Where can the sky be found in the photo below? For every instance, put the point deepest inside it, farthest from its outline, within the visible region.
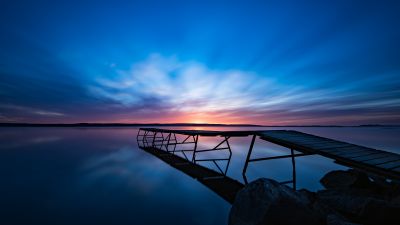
(259, 62)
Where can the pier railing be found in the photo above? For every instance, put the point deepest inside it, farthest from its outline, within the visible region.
(168, 141)
(374, 162)
(186, 143)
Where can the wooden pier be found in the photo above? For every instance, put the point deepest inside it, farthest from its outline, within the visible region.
(383, 163)
(163, 143)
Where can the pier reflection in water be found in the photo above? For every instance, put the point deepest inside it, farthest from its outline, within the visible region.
(99, 176)
(182, 151)
(377, 162)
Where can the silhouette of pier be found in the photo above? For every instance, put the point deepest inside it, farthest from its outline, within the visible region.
(167, 145)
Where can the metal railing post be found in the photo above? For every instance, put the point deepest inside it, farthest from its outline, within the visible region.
(246, 164)
(293, 169)
(154, 138)
(168, 139)
(196, 138)
(230, 155)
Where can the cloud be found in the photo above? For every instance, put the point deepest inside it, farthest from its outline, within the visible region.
(182, 86)
(31, 110)
(7, 119)
(165, 88)
(48, 113)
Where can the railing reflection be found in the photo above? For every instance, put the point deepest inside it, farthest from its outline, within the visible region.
(164, 146)
(185, 145)
(184, 150)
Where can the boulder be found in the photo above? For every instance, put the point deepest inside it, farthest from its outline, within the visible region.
(265, 201)
(360, 207)
(384, 188)
(396, 200)
(378, 211)
(349, 202)
(340, 179)
(333, 219)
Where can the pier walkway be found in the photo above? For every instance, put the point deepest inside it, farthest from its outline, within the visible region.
(372, 161)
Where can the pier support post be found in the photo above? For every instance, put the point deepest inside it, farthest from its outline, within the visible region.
(196, 138)
(293, 169)
(168, 139)
(230, 155)
(246, 164)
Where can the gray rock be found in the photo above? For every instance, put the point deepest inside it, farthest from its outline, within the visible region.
(378, 211)
(360, 207)
(265, 201)
(317, 206)
(396, 200)
(333, 219)
(340, 179)
(344, 202)
(384, 188)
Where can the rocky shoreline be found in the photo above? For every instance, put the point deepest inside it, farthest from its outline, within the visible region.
(350, 197)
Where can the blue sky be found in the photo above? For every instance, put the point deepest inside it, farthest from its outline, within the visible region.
(263, 62)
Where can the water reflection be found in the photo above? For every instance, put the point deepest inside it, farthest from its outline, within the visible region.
(99, 176)
(222, 185)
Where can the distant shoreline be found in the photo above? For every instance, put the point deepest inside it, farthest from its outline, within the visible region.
(169, 124)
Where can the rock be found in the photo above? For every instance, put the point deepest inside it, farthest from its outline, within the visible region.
(378, 211)
(396, 200)
(265, 201)
(333, 219)
(350, 203)
(360, 207)
(340, 179)
(317, 206)
(384, 188)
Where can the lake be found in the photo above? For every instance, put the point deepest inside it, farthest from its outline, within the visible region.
(100, 176)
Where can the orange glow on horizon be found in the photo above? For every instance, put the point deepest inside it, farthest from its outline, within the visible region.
(189, 117)
(210, 118)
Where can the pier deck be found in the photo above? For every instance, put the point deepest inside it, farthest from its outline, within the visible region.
(373, 161)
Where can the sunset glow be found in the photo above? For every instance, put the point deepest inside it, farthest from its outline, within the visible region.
(243, 62)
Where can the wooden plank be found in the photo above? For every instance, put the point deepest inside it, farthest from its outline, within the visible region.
(310, 136)
(279, 135)
(310, 141)
(388, 158)
(370, 156)
(333, 145)
(321, 144)
(291, 136)
(380, 161)
(343, 150)
(300, 138)
(352, 155)
(329, 146)
(316, 143)
(389, 165)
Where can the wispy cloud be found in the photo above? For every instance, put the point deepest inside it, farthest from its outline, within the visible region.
(183, 86)
(7, 119)
(31, 110)
(162, 85)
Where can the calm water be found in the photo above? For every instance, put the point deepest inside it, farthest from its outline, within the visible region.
(99, 176)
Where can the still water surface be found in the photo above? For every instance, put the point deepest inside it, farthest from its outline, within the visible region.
(99, 176)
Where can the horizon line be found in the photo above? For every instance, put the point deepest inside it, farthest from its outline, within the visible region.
(87, 124)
